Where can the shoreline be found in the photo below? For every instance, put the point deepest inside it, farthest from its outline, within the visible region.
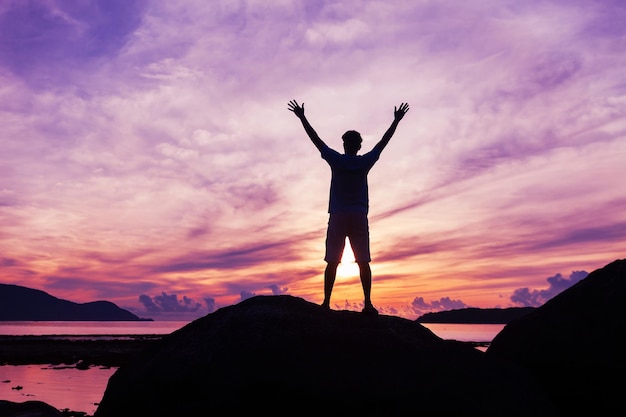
(84, 351)
(79, 351)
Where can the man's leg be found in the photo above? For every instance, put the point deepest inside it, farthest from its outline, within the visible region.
(360, 242)
(366, 282)
(329, 280)
(335, 242)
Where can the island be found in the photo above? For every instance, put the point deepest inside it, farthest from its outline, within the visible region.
(19, 303)
(476, 315)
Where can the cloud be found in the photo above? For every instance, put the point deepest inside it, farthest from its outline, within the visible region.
(169, 303)
(210, 304)
(420, 306)
(79, 286)
(582, 236)
(536, 297)
(350, 305)
(49, 41)
(418, 246)
(148, 303)
(8, 262)
(239, 257)
(244, 295)
(278, 290)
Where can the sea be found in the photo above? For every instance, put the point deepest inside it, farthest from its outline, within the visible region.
(69, 388)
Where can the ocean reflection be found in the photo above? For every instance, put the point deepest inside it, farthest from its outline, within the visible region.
(60, 386)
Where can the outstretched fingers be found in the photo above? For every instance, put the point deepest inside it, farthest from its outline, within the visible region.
(399, 112)
(296, 108)
(293, 105)
(404, 107)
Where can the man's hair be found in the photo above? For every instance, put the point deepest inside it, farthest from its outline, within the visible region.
(352, 136)
(352, 140)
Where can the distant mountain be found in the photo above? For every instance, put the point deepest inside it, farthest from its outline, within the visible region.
(476, 315)
(26, 304)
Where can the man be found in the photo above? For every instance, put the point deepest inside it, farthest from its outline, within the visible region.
(349, 200)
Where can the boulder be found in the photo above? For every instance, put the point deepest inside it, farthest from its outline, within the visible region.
(574, 344)
(282, 355)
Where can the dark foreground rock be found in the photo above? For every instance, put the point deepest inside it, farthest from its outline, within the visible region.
(574, 344)
(281, 355)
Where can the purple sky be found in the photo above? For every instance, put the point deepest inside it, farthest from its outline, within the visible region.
(148, 156)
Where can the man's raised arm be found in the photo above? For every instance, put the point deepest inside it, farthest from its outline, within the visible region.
(299, 111)
(398, 114)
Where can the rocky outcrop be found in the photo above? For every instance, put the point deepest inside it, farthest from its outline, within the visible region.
(281, 355)
(574, 344)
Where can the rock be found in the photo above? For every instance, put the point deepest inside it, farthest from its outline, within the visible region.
(281, 355)
(574, 344)
(28, 409)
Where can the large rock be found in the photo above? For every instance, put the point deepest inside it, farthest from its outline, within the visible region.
(281, 355)
(574, 344)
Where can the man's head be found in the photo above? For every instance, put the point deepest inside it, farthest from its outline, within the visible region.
(351, 142)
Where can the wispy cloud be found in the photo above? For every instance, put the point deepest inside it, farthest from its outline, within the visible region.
(536, 297)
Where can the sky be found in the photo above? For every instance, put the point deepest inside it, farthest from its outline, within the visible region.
(148, 156)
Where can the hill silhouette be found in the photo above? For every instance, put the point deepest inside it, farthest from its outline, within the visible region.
(476, 315)
(19, 303)
(574, 344)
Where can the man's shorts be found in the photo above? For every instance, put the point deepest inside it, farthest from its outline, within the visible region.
(354, 226)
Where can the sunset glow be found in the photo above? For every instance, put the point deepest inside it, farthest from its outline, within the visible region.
(148, 157)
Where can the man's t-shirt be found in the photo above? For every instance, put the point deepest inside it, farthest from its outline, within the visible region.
(348, 184)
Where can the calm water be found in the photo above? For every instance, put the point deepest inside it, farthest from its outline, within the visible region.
(60, 387)
(465, 332)
(82, 390)
(87, 328)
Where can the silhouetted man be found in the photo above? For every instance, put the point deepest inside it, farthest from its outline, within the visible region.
(349, 200)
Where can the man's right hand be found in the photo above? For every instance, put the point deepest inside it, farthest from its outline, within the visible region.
(398, 113)
(296, 108)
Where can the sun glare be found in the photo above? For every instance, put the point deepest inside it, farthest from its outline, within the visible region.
(348, 266)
